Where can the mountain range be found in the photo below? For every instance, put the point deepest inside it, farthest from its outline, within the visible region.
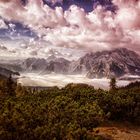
(111, 63)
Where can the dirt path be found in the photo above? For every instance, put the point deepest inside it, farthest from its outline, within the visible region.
(117, 131)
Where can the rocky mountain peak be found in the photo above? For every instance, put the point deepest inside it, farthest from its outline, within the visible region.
(108, 63)
(116, 63)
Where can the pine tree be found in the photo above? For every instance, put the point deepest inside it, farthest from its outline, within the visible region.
(113, 83)
(10, 86)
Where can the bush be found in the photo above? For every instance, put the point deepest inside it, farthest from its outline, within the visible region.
(65, 114)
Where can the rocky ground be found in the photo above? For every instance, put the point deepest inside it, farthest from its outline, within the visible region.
(119, 131)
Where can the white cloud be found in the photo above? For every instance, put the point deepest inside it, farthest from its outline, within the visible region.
(75, 28)
(3, 25)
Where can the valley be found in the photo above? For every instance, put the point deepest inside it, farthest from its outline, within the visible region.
(94, 69)
(61, 80)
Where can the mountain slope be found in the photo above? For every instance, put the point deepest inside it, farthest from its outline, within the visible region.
(34, 64)
(113, 63)
(58, 65)
(116, 63)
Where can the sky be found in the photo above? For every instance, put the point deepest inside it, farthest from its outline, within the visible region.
(67, 28)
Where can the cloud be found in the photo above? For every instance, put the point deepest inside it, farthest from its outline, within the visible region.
(3, 48)
(97, 30)
(74, 28)
(5, 1)
(128, 14)
(33, 53)
(3, 25)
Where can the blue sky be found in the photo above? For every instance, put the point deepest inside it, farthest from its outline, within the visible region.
(86, 4)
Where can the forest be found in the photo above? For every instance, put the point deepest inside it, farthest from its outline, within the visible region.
(69, 113)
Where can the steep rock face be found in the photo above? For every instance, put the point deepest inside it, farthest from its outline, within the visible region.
(82, 65)
(44, 66)
(58, 65)
(34, 64)
(114, 63)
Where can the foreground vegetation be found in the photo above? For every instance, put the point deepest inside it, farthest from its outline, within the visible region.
(71, 113)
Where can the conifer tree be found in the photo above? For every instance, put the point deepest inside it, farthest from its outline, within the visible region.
(10, 86)
(113, 83)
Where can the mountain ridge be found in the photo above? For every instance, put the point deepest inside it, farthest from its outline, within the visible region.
(108, 63)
